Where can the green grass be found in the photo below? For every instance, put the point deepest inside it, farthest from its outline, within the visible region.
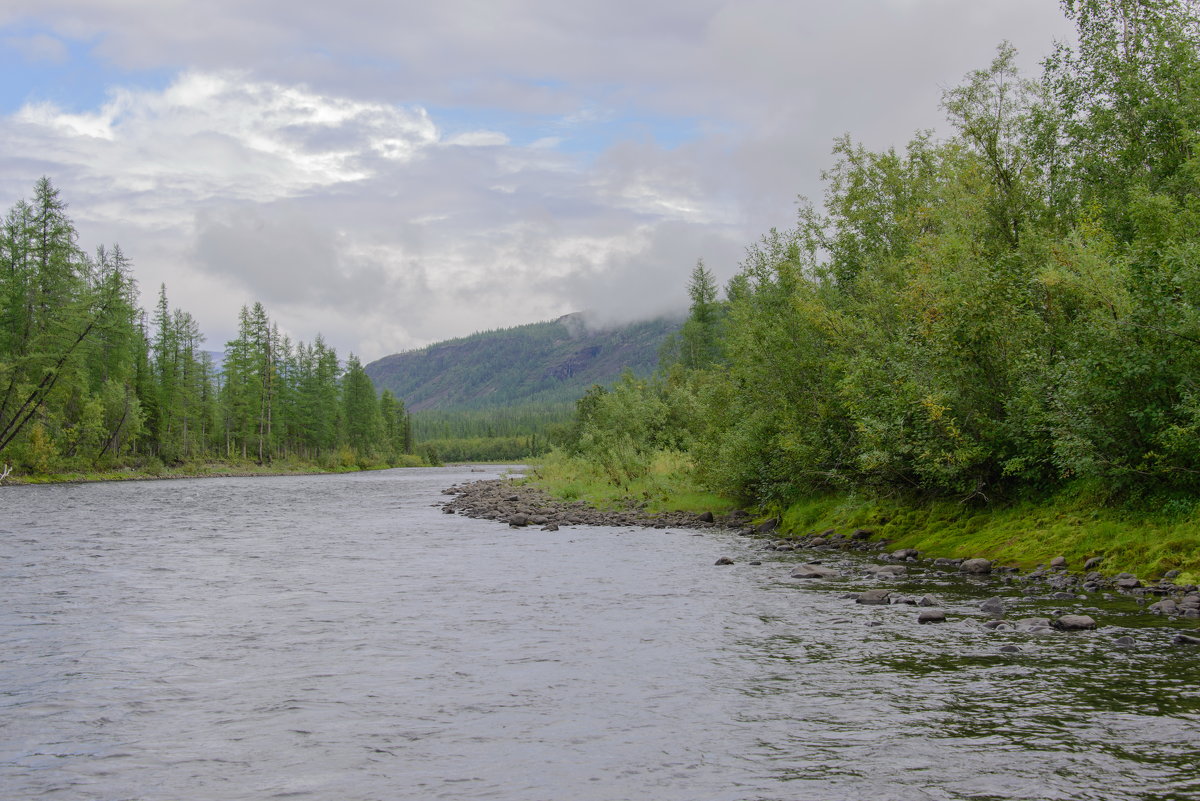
(1022, 534)
(1075, 524)
(668, 486)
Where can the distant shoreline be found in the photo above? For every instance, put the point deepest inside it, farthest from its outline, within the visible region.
(170, 475)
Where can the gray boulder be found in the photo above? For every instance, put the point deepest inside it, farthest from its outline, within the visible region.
(814, 572)
(873, 597)
(1031, 623)
(932, 616)
(1074, 623)
(1165, 607)
(993, 606)
(976, 566)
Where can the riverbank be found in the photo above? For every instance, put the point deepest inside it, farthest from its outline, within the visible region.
(519, 503)
(1076, 588)
(194, 470)
(1072, 524)
(1023, 534)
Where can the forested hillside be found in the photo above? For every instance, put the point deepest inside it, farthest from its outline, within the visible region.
(508, 394)
(540, 363)
(1009, 311)
(88, 383)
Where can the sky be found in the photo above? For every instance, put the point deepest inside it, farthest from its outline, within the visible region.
(391, 173)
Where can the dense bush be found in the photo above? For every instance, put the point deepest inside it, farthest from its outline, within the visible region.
(1006, 310)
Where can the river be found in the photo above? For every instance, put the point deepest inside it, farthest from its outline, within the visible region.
(339, 637)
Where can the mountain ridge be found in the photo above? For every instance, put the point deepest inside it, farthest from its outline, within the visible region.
(546, 362)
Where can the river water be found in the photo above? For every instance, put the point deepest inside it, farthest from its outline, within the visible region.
(338, 637)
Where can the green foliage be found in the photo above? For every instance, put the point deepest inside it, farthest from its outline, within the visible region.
(540, 419)
(542, 364)
(1010, 311)
(700, 337)
(667, 485)
(621, 428)
(85, 383)
(486, 449)
(360, 408)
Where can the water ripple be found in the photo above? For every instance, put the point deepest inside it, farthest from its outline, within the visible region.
(339, 637)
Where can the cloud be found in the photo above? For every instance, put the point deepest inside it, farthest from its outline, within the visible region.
(39, 48)
(392, 173)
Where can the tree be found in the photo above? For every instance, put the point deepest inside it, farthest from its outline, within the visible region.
(51, 306)
(360, 409)
(396, 426)
(699, 340)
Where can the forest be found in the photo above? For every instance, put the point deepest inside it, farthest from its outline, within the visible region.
(1008, 311)
(89, 383)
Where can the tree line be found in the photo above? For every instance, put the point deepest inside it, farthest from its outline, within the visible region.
(88, 382)
(1010, 309)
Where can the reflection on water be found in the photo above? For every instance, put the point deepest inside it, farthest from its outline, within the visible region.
(339, 637)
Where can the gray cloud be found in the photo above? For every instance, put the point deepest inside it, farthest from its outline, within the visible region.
(38, 48)
(291, 159)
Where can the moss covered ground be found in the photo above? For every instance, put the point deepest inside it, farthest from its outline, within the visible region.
(1146, 541)
(1023, 534)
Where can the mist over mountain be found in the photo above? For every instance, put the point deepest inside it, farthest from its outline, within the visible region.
(547, 362)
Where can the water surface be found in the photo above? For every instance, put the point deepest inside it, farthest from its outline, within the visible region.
(338, 637)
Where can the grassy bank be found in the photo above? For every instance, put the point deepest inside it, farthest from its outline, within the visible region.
(1023, 534)
(1071, 524)
(213, 469)
(666, 486)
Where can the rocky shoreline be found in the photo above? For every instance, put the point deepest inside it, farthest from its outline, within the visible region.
(523, 505)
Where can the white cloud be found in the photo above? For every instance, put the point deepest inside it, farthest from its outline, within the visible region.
(292, 161)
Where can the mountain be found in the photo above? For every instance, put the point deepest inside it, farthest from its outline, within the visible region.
(550, 362)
